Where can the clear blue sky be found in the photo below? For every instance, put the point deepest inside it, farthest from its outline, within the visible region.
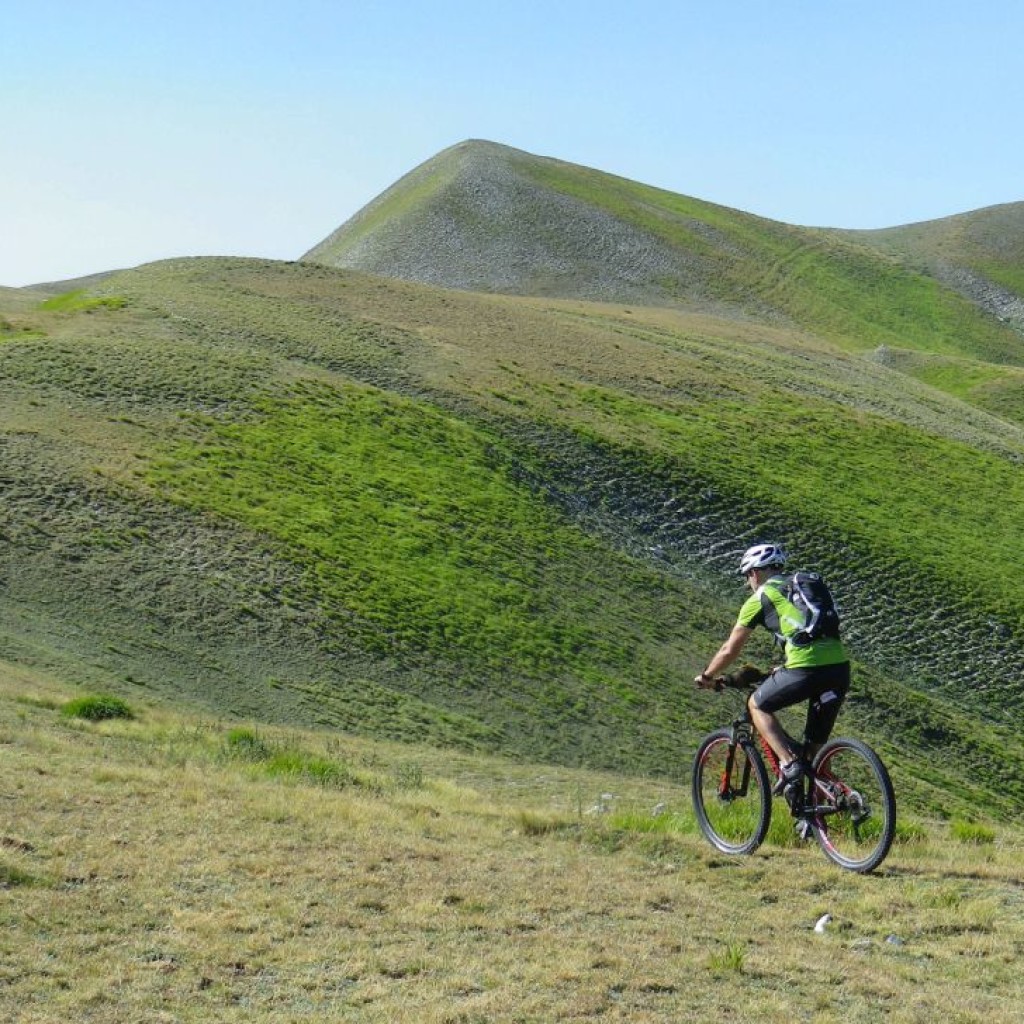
(139, 131)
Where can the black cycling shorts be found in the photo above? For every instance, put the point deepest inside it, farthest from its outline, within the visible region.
(824, 687)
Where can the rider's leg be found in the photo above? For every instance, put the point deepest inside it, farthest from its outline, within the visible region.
(771, 729)
(789, 755)
(823, 707)
(782, 689)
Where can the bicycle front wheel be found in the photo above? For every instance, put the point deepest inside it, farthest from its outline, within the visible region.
(854, 818)
(732, 797)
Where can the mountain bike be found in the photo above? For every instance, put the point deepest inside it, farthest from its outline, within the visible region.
(846, 801)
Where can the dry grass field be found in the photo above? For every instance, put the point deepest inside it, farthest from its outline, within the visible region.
(167, 868)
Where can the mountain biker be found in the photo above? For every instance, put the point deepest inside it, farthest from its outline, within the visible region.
(818, 672)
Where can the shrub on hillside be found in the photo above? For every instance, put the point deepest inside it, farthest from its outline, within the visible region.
(97, 708)
(282, 761)
(308, 768)
(246, 745)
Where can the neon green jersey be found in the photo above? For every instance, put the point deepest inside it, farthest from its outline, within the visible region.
(769, 607)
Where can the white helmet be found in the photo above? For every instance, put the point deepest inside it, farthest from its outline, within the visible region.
(760, 556)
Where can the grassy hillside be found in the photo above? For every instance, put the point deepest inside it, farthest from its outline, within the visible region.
(316, 497)
(979, 256)
(490, 218)
(931, 299)
(174, 866)
(989, 242)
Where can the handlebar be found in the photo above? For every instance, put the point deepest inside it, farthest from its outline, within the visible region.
(749, 677)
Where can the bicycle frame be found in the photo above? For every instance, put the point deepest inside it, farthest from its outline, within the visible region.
(743, 729)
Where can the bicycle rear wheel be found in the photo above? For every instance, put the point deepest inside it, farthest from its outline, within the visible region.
(731, 793)
(855, 806)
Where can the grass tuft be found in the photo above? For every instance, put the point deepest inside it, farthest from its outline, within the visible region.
(729, 959)
(532, 823)
(97, 708)
(910, 833)
(284, 760)
(308, 768)
(972, 832)
(12, 876)
(245, 744)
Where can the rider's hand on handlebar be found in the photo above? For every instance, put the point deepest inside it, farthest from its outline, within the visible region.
(705, 682)
(743, 678)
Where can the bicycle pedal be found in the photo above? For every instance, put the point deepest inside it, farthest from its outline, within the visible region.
(803, 829)
(794, 797)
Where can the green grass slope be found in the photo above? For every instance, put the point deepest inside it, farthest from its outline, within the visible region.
(980, 257)
(989, 242)
(313, 496)
(486, 217)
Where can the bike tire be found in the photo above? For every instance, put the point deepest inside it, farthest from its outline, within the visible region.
(855, 818)
(732, 800)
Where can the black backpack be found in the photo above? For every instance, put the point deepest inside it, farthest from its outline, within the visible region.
(808, 593)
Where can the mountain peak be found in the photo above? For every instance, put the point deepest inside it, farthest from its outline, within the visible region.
(483, 216)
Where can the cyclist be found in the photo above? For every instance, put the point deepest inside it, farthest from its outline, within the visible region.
(818, 672)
